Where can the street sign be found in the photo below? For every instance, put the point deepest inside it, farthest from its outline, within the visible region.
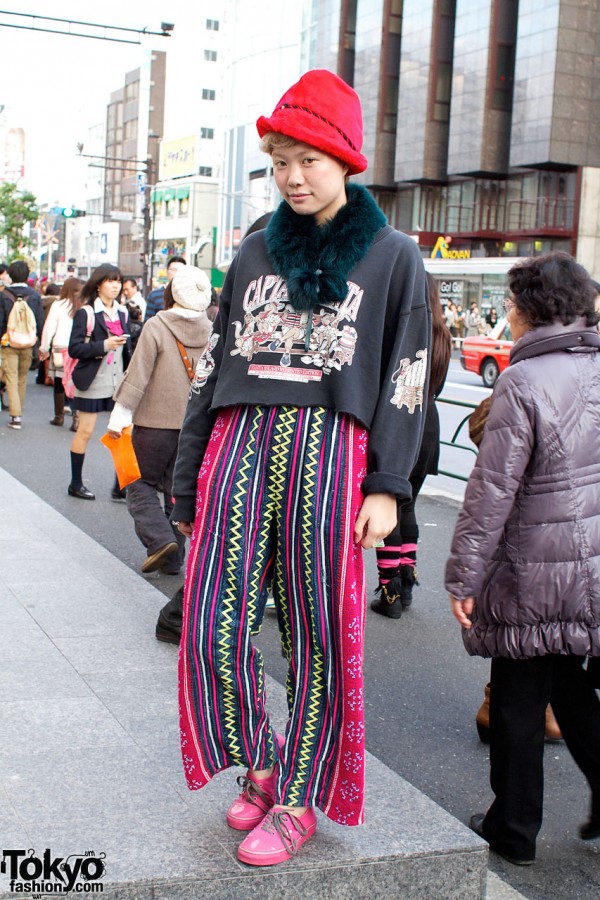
(121, 215)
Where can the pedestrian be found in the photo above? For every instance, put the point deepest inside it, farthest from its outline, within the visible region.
(153, 395)
(397, 559)
(100, 342)
(54, 343)
(16, 359)
(491, 319)
(524, 569)
(304, 421)
(132, 297)
(155, 299)
(473, 321)
(50, 292)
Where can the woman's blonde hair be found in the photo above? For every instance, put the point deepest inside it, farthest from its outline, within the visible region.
(273, 140)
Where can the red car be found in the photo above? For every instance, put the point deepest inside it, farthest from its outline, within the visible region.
(487, 355)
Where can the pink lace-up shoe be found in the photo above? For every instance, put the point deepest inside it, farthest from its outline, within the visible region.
(256, 799)
(277, 838)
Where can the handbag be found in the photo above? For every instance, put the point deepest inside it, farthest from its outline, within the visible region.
(58, 359)
(477, 420)
(69, 362)
(124, 458)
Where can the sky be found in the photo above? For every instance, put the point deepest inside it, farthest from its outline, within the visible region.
(55, 87)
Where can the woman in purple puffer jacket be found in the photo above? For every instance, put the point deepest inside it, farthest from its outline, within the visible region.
(524, 570)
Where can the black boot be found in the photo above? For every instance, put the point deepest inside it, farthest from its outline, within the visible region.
(168, 626)
(408, 577)
(59, 410)
(389, 601)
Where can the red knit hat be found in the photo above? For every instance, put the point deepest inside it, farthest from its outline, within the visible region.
(323, 111)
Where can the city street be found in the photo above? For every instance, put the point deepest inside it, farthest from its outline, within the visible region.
(422, 689)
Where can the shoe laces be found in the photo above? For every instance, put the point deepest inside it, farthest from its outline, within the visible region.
(281, 822)
(253, 793)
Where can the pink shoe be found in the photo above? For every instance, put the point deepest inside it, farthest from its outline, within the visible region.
(278, 837)
(256, 799)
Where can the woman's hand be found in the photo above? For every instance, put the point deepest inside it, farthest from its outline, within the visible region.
(462, 609)
(43, 355)
(115, 435)
(115, 341)
(185, 528)
(377, 518)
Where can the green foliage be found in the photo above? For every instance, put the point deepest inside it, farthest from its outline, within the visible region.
(17, 209)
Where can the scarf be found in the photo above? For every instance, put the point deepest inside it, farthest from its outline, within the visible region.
(315, 260)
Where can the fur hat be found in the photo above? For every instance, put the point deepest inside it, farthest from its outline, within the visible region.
(191, 288)
(323, 111)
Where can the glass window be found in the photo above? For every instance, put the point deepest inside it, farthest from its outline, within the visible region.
(210, 55)
(205, 170)
(208, 94)
(207, 134)
(212, 25)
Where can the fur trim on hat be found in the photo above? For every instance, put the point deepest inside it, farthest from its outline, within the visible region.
(315, 260)
(191, 288)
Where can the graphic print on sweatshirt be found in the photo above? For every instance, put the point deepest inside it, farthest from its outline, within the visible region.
(293, 345)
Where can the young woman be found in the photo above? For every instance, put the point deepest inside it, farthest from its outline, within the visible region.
(302, 428)
(524, 570)
(103, 354)
(397, 559)
(55, 339)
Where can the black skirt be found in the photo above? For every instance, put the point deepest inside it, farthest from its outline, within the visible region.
(85, 404)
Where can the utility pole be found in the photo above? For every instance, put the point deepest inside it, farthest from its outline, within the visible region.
(147, 224)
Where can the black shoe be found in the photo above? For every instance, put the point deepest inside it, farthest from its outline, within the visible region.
(81, 492)
(169, 634)
(168, 626)
(118, 495)
(476, 825)
(388, 603)
(408, 578)
(591, 829)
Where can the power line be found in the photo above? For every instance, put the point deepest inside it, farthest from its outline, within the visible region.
(105, 31)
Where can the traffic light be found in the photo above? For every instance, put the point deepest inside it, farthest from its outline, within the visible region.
(69, 212)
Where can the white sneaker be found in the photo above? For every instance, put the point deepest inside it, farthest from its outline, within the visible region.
(15, 422)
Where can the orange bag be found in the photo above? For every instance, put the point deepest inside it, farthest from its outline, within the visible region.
(124, 458)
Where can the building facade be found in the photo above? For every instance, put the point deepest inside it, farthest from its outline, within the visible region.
(482, 122)
(134, 126)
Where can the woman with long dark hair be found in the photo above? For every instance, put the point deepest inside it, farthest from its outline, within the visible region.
(397, 560)
(55, 340)
(100, 341)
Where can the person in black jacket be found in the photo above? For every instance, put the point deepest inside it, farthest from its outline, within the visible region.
(103, 353)
(397, 559)
(16, 361)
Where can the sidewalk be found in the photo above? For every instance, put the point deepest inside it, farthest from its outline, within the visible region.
(89, 756)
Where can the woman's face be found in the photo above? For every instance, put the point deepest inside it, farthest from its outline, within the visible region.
(109, 290)
(311, 181)
(516, 320)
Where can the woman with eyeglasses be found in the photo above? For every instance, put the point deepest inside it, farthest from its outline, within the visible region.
(524, 569)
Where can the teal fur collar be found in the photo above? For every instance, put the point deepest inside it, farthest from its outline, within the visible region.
(316, 260)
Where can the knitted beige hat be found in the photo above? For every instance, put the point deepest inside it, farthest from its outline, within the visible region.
(191, 288)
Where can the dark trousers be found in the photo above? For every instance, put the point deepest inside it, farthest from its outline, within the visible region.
(520, 692)
(156, 450)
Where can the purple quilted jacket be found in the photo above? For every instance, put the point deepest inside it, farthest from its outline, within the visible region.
(527, 540)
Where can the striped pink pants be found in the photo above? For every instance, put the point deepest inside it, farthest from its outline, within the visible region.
(279, 492)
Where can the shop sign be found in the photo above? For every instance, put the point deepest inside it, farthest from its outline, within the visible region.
(441, 250)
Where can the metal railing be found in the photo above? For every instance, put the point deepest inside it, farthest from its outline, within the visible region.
(453, 440)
